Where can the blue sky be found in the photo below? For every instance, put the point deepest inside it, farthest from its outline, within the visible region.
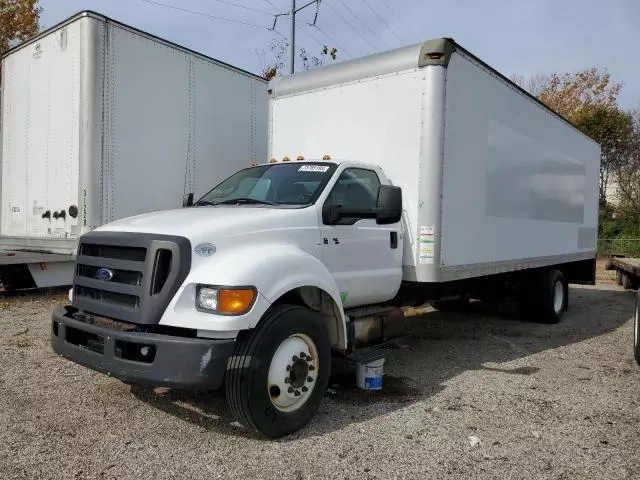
(515, 36)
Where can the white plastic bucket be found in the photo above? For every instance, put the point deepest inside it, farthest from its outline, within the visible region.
(369, 375)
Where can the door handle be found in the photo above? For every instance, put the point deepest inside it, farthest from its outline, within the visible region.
(394, 239)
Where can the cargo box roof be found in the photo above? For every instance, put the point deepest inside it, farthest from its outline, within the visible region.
(104, 18)
(431, 52)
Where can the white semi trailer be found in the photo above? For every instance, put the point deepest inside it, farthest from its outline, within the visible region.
(415, 175)
(101, 121)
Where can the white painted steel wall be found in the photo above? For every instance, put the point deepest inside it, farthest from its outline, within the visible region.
(492, 182)
(134, 120)
(376, 120)
(40, 135)
(518, 182)
(177, 124)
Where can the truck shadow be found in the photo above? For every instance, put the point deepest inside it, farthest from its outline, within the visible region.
(438, 347)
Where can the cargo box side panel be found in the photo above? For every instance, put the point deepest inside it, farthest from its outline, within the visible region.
(520, 186)
(377, 120)
(229, 124)
(41, 131)
(147, 125)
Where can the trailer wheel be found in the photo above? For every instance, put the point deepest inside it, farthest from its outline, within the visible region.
(627, 282)
(618, 277)
(279, 372)
(546, 299)
(636, 329)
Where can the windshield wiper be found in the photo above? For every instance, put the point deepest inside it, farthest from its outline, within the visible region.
(204, 203)
(243, 200)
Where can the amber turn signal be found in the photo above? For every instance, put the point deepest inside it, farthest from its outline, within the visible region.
(235, 301)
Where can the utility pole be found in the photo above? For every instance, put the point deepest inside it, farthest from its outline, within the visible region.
(292, 30)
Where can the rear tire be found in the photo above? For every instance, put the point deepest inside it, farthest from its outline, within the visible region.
(279, 372)
(636, 329)
(618, 277)
(546, 299)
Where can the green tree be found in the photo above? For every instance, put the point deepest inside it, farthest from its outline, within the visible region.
(627, 175)
(613, 129)
(19, 21)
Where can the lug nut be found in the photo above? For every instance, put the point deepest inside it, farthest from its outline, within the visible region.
(286, 380)
(302, 355)
(288, 368)
(305, 389)
(295, 359)
(311, 368)
(309, 379)
(297, 393)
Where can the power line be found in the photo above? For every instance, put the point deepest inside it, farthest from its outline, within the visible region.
(363, 23)
(315, 39)
(331, 40)
(396, 15)
(382, 20)
(272, 5)
(203, 14)
(237, 5)
(351, 26)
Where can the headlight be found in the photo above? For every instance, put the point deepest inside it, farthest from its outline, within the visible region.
(207, 298)
(225, 300)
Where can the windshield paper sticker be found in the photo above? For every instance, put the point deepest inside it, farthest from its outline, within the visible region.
(426, 245)
(314, 168)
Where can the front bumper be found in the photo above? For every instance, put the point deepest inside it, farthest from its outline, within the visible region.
(168, 361)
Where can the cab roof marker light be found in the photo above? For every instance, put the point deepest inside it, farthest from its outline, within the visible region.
(300, 158)
(273, 160)
(285, 159)
(326, 157)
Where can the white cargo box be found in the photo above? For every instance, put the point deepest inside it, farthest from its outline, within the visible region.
(102, 121)
(493, 181)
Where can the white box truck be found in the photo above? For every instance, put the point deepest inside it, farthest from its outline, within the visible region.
(101, 121)
(415, 175)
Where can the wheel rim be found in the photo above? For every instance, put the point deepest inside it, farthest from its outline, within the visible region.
(558, 297)
(293, 373)
(635, 323)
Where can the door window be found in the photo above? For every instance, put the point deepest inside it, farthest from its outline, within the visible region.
(356, 189)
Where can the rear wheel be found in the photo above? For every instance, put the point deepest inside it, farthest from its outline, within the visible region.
(626, 281)
(618, 277)
(546, 298)
(278, 375)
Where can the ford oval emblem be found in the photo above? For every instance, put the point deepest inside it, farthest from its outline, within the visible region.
(105, 274)
(205, 249)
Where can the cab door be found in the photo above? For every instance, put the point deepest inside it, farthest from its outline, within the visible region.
(364, 258)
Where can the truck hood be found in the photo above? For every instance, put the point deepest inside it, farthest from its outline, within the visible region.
(209, 223)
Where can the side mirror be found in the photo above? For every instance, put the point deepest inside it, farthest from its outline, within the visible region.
(187, 200)
(330, 214)
(389, 206)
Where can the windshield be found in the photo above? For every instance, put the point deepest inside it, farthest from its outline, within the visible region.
(274, 184)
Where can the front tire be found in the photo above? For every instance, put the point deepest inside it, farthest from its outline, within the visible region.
(636, 329)
(279, 372)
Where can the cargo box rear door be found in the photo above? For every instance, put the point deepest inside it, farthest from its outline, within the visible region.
(40, 137)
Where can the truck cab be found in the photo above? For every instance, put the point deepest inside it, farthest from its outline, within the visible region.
(250, 284)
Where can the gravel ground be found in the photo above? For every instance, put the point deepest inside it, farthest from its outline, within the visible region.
(535, 401)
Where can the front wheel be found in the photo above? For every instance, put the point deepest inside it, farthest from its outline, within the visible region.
(636, 329)
(279, 372)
